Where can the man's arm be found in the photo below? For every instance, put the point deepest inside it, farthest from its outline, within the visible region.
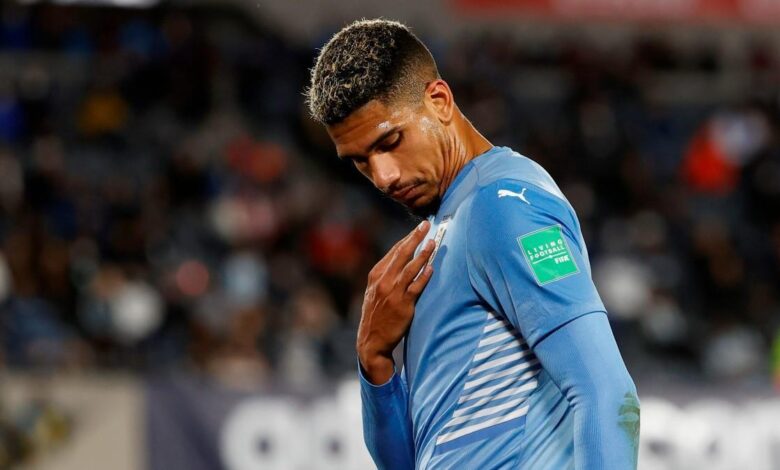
(527, 259)
(388, 307)
(583, 360)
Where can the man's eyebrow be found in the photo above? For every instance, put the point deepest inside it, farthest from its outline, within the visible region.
(376, 142)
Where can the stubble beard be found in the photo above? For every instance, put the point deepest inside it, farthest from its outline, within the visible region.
(422, 212)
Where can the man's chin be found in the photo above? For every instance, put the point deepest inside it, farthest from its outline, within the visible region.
(424, 210)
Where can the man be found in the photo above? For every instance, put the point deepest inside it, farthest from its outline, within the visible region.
(509, 360)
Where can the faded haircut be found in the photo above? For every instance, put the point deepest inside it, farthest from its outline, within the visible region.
(367, 60)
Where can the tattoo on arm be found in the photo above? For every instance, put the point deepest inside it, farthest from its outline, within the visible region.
(628, 419)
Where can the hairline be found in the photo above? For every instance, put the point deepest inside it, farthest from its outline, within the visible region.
(401, 87)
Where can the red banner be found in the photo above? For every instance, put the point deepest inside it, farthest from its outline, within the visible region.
(738, 11)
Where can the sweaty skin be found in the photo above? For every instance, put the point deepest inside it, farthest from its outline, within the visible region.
(400, 145)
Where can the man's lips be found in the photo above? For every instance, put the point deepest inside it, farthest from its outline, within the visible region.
(404, 193)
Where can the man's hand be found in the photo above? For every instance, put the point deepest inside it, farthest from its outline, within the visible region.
(388, 304)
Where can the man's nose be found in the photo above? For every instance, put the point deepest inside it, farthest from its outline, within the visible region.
(385, 172)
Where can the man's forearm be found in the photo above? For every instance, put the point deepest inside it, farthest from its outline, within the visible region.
(582, 358)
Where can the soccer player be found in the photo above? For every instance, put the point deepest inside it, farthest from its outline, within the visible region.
(509, 360)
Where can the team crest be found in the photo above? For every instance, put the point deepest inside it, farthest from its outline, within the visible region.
(442, 229)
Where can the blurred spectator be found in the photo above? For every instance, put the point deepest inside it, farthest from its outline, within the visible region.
(775, 361)
(304, 359)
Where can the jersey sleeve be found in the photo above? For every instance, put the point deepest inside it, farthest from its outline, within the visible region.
(583, 360)
(526, 257)
(387, 428)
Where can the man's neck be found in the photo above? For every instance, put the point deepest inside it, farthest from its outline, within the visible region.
(465, 144)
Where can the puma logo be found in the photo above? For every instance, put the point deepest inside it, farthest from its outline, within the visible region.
(520, 195)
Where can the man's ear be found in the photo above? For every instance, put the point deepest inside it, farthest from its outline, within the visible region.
(438, 98)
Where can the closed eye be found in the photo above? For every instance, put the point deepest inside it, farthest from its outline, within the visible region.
(391, 142)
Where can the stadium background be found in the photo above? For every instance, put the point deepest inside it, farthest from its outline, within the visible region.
(182, 257)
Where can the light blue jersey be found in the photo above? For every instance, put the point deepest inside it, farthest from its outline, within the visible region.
(510, 268)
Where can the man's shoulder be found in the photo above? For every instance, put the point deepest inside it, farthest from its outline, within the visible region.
(515, 195)
(507, 167)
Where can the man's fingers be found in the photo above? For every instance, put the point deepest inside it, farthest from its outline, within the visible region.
(412, 238)
(405, 249)
(415, 265)
(416, 287)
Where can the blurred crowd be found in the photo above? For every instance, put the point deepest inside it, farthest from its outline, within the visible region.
(166, 204)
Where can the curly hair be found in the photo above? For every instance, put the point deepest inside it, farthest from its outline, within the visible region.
(367, 60)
